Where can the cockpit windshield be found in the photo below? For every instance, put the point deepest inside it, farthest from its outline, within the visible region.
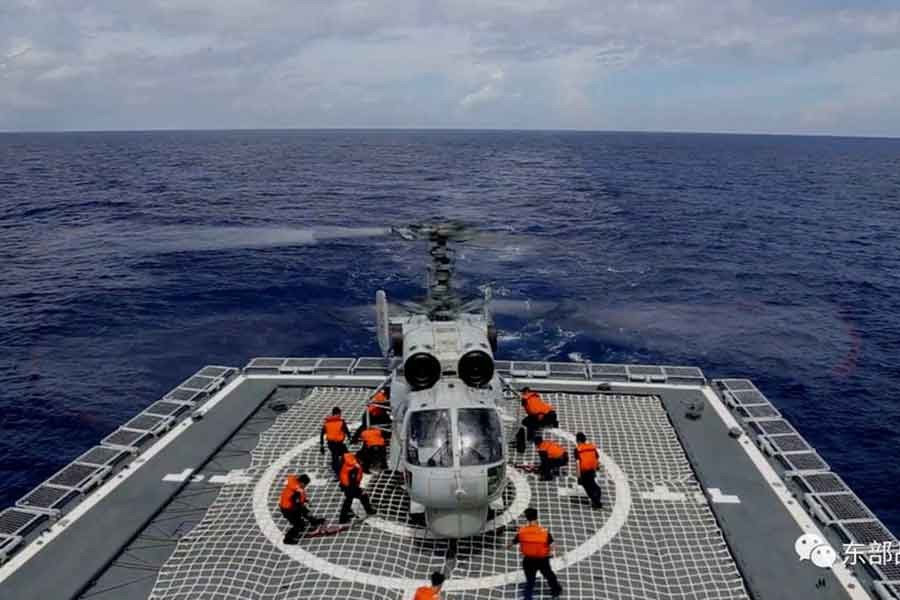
(480, 436)
(429, 439)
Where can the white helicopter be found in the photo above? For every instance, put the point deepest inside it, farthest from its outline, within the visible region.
(445, 395)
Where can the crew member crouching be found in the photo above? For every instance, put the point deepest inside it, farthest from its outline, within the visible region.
(294, 505)
(539, 413)
(374, 449)
(552, 455)
(377, 413)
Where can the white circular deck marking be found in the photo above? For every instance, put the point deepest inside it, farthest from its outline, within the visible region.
(273, 533)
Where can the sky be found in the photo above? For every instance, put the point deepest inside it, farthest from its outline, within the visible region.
(754, 66)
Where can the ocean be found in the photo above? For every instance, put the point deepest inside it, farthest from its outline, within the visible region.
(130, 260)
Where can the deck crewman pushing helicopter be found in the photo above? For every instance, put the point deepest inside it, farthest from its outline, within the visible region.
(335, 432)
(539, 413)
(376, 414)
(588, 459)
(374, 449)
(294, 505)
(536, 546)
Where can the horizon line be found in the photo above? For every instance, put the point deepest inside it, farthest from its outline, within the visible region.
(446, 129)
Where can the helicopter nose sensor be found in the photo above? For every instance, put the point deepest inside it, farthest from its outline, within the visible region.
(422, 370)
(476, 368)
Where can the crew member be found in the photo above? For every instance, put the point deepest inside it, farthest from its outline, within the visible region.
(334, 430)
(377, 414)
(536, 545)
(351, 484)
(552, 455)
(374, 449)
(294, 505)
(539, 413)
(433, 591)
(588, 459)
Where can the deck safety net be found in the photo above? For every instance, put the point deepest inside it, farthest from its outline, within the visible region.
(655, 536)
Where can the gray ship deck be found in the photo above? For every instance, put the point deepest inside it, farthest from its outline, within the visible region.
(181, 502)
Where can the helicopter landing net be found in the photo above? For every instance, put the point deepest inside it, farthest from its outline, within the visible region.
(664, 544)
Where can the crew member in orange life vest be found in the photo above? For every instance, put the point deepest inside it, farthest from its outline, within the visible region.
(539, 413)
(294, 505)
(378, 414)
(552, 455)
(351, 479)
(588, 459)
(536, 546)
(433, 591)
(374, 449)
(334, 430)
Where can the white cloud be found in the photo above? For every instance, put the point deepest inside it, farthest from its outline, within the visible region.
(488, 92)
(499, 63)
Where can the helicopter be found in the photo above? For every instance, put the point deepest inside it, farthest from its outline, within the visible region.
(445, 396)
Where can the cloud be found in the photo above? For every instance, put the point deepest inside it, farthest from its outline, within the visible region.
(502, 63)
(491, 90)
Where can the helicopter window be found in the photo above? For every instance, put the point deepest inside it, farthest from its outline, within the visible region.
(429, 439)
(480, 436)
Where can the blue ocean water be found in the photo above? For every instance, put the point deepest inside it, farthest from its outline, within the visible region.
(129, 260)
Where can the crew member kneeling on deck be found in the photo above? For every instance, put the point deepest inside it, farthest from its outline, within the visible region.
(351, 485)
(335, 431)
(294, 505)
(374, 449)
(539, 413)
(552, 455)
(536, 545)
(588, 459)
(433, 591)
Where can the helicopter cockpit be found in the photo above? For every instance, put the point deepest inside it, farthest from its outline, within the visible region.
(446, 438)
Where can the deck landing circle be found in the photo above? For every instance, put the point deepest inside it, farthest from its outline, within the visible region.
(273, 533)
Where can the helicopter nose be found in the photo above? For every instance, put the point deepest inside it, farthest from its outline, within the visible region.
(456, 523)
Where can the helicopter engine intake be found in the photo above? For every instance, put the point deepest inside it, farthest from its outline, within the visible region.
(476, 368)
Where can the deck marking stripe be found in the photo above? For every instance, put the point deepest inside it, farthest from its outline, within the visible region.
(179, 477)
(717, 497)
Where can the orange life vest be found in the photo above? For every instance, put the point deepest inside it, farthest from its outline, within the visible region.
(292, 486)
(372, 437)
(588, 459)
(426, 592)
(334, 428)
(380, 397)
(534, 541)
(348, 465)
(552, 449)
(535, 405)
